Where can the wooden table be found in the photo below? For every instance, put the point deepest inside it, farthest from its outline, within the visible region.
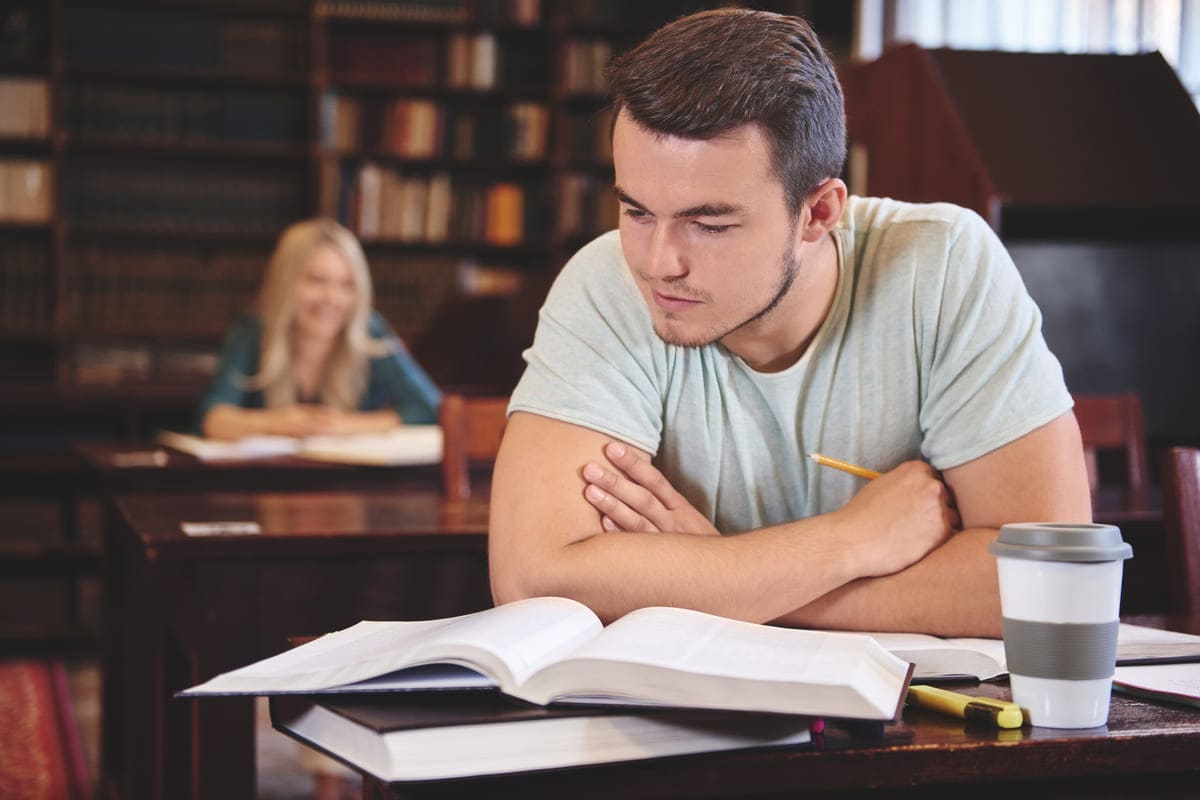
(181, 609)
(1146, 750)
(133, 468)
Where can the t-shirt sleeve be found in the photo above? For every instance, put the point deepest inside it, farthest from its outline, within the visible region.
(397, 381)
(238, 362)
(595, 360)
(988, 377)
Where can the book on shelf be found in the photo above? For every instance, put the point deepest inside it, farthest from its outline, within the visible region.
(546, 650)
(935, 658)
(26, 104)
(403, 446)
(419, 737)
(25, 190)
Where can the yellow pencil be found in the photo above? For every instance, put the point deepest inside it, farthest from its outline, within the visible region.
(844, 466)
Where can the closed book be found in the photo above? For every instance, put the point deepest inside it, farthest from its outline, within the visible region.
(424, 737)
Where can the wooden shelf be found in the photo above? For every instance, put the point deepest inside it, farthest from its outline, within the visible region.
(197, 149)
(155, 75)
(173, 234)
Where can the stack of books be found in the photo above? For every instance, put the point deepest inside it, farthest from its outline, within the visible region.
(541, 684)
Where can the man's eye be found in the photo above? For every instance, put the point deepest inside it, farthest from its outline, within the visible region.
(636, 214)
(713, 229)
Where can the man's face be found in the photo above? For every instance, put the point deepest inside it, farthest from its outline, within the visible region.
(705, 229)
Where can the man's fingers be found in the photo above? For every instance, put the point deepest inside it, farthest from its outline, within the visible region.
(642, 473)
(615, 511)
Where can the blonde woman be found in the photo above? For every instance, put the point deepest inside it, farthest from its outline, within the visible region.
(315, 358)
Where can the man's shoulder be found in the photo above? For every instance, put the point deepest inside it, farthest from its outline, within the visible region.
(874, 215)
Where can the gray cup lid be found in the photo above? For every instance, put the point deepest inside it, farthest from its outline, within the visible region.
(1060, 541)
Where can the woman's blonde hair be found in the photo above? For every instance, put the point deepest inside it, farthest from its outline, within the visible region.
(345, 376)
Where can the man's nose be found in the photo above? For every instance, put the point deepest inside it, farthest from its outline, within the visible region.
(665, 260)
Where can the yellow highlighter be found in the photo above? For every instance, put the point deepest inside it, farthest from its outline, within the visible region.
(1001, 713)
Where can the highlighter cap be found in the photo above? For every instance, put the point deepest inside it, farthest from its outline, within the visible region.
(1061, 541)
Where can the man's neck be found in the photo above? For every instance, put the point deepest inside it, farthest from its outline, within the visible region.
(780, 338)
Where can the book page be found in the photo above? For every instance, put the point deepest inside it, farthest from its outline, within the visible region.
(1172, 682)
(250, 447)
(1140, 645)
(935, 658)
(403, 446)
(500, 642)
(679, 657)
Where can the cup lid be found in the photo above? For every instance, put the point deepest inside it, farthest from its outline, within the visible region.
(1060, 541)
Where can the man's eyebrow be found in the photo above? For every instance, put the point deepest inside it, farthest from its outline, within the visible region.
(702, 210)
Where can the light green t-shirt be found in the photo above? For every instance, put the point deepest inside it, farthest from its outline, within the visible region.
(932, 349)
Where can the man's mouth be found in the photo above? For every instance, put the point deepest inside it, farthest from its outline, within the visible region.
(668, 302)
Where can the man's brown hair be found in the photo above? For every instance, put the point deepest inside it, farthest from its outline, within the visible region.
(705, 74)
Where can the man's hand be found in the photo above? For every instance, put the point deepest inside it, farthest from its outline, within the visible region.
(634, 496)
(899, 517)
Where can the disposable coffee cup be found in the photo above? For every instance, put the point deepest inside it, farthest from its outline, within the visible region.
(1060, 597)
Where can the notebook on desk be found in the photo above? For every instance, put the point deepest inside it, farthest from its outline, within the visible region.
(404, 446)
(983, 659)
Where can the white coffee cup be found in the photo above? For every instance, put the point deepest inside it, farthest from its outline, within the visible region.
(1060, 596)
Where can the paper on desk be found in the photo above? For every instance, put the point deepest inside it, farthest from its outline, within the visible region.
(1177, 683)
(220, 528)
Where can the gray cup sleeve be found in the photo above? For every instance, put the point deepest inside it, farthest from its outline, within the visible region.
(1064, 651)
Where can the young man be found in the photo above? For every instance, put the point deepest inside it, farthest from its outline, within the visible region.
(746, 314)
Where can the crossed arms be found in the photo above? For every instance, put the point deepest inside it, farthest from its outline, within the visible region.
(894, 558)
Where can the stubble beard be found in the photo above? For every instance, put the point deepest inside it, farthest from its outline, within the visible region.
(787, 277)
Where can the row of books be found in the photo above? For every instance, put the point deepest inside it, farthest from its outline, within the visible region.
(26, 107)
(187, 115)
(26, 285)
(113, 363)
(384, 203)
(410, 288)
(187, 286)
(26, 190)
(471, 60)
(589, 135)
(404, 10)
(427, 129)
(583, 63)
(515, 12)
(586, 205)
(187, 198)
(174, 40)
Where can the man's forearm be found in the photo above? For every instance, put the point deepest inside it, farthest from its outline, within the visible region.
(953, 591)
(756, 576)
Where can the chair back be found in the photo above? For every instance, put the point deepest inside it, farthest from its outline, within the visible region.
(1181, 527)
(471, 431)
(1114, 422)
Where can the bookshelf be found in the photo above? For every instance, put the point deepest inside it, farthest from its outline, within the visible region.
(151, 151)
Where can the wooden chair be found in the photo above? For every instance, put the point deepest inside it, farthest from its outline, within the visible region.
(1114, 422)
(471, 429)
(1181, 527)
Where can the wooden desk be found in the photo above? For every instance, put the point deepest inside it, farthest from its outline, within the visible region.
(181, 609)
(1146, 750)
(182, 472)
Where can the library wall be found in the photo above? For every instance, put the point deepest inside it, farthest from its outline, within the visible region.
(1121, 316)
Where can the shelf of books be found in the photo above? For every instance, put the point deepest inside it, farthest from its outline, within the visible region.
(152, 150)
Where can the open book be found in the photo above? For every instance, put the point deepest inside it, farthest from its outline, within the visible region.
(551, 649)
(418, 736)
(983, 659)
(402, 446)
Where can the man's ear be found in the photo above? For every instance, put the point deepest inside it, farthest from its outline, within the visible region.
(822, 209)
